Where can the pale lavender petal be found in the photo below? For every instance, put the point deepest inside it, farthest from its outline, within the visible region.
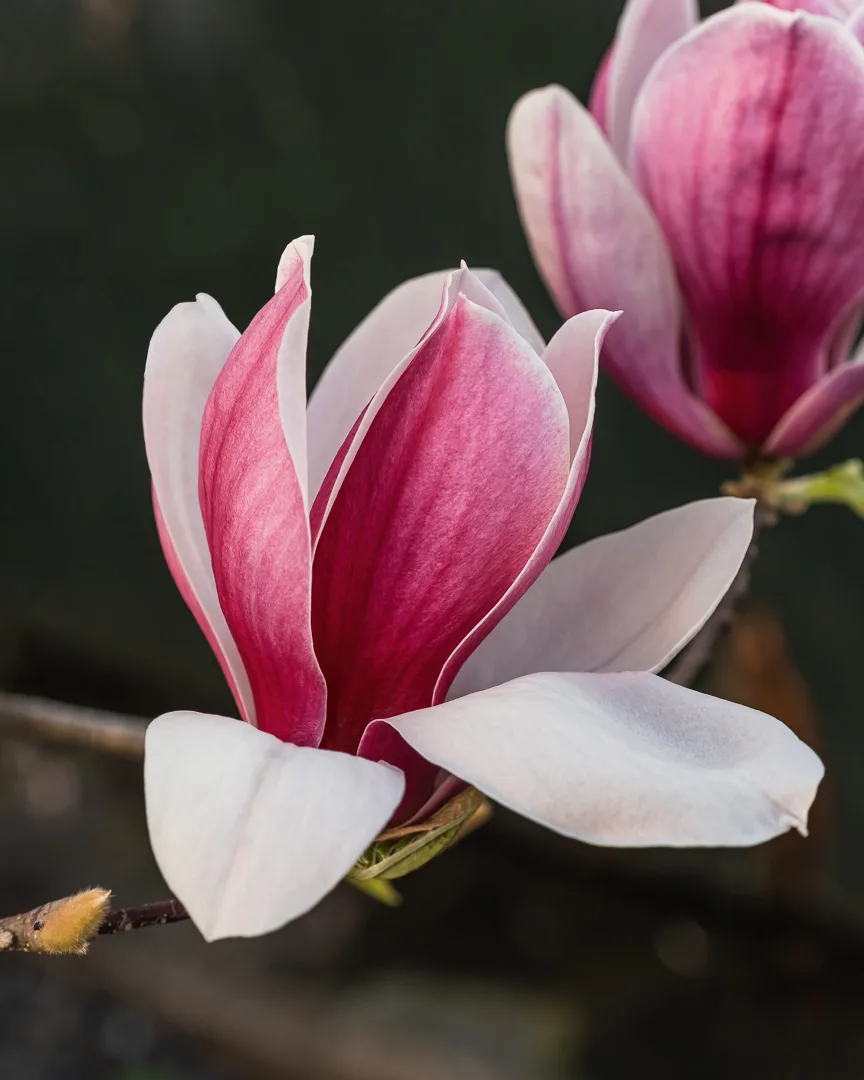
(251, 832)
(187, 353)
(624, 602)
(646, 30)
(624, 760)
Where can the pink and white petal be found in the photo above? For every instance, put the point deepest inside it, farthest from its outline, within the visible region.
(573, 358)
(647, 28)
(187, 352)
(513, 307)
(453, 477)
(740, 144)
(837, 9)
(360, 365)
(624, 760)
(597, 245)
(818, 415)
(598, 102)
(624, 602)
(254, 511)
(251, 832)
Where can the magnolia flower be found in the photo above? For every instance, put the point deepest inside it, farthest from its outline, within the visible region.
(350, 581)
(716, 197)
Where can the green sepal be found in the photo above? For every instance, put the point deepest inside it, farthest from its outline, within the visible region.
(378, 889)
(843, 484)
(402, 851)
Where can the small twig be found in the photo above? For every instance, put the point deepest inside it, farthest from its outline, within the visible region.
(74, 725)
(687, 668)
(159, 913)
(68, 926)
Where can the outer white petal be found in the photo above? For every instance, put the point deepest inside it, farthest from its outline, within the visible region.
(250, 832)
(187, 352)
(624, 602)
(647, 28)
(362, 363)
(624, 760)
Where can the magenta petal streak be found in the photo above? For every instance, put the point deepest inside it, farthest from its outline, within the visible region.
(445, 501)
(743, 145)
(255, 518)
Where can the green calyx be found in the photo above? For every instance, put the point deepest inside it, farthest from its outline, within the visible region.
(398, 852)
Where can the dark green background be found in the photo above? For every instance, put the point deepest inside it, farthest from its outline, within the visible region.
(151, 149)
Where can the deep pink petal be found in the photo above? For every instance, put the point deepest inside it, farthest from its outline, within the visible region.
(744, 144)
(597, 245)
(572, 356)
(459, 472)
(253, 505)
(646, 30)
(820, 413)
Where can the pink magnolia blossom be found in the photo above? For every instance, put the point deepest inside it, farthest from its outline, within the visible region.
(379, 596)
(716, 197)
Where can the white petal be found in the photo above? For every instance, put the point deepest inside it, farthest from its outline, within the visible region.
(291, 363)
(187, 352)
(513, 307)
(360, 365)
(624, 760)
(624, 602)
(250, 832)
(646, 30)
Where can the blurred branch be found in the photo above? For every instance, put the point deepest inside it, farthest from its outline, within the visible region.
(689, 664)
(159, 913)
(73, 725)
(68, 926)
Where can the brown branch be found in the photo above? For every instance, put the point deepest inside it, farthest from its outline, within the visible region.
(73, 725)
(159, 913)
(68, 926)
(687, 668)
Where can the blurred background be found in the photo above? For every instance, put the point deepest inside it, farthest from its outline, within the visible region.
(152, 149)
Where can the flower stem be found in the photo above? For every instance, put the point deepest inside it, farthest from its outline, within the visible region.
(686, 669)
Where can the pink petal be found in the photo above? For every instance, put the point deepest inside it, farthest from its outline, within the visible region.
(820, 413)
(250, 832)
(598, 103)
(833, 8)
(743, 145)
(362, 363)
(598, 246)
(624, 602)
(572, 356)
(448, 493)
(252, 491)
(187, 352)
(646, 30)
(624, 760)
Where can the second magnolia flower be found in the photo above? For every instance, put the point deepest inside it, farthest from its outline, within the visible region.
(715, 195)
(379, 594)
